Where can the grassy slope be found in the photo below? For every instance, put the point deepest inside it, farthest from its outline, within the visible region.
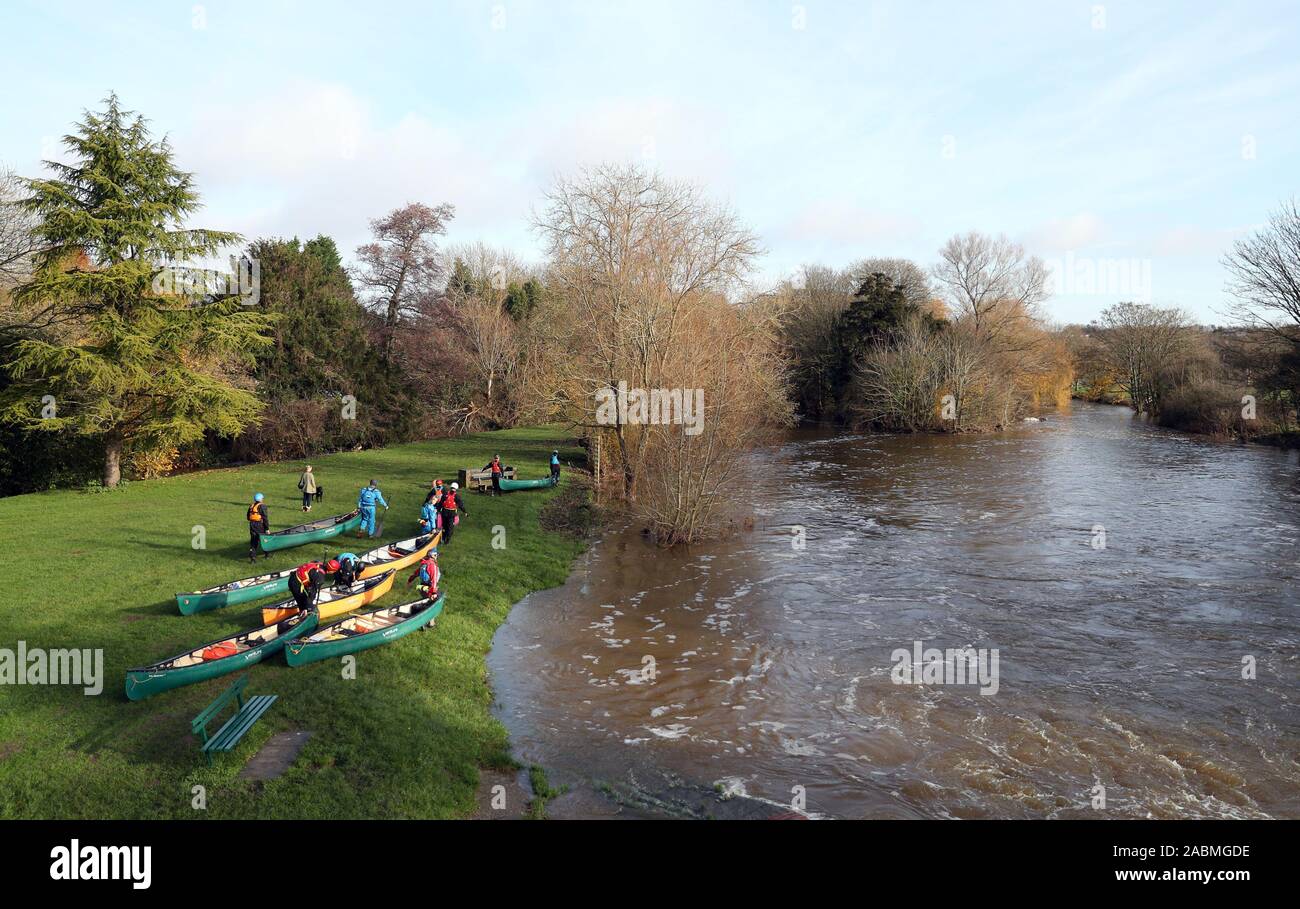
(405, 739)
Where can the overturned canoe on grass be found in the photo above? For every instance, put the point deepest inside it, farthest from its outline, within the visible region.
(396, 556)
(334, 601)
(311, 532)
(509, 485)
(216, 658)
(363, 631)
(233, 593)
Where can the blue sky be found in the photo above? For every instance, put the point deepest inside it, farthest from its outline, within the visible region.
(1141, 135)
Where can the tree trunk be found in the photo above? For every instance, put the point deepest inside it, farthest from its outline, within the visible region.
(112, 462)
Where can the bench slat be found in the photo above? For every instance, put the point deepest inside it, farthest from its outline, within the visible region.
(235, 728)
(205, 716)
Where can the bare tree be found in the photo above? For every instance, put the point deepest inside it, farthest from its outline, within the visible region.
(491, 350)
(903, 273)
(1142, 344)
(631, 255)
(401, 266)
(993, 283)
(19, 241)
(1265, 274)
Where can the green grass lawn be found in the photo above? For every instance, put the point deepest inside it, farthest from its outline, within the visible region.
(406, 738)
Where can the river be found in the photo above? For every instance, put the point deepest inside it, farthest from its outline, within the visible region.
(1126, 576)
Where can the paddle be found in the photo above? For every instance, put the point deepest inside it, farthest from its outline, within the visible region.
(379, 527)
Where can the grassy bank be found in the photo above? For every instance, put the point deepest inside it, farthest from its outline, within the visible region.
(406, 738)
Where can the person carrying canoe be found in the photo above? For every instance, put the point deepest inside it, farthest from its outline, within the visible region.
(370, 497)
(307, 483)
(307, 581)
(555, 466)
(258, 524)
(451, 503)
(349, 567)
(430, 576)
(429, 519)
(495, 466)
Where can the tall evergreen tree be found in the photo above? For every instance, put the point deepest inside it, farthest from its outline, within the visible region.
(144, 364)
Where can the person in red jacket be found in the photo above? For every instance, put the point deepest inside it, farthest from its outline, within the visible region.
(430, 576)
(447, 508)
(307, 581)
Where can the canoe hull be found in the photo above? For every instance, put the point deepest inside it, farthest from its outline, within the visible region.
(270, 542)
(400, 562)
(299, 652)
(510, 485)
(146, 682)
(332, 608)
(190, 603)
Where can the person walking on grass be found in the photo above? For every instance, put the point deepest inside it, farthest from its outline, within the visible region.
(369, 497)
(258, 524)
(555, 466)
(451, 503)
(307, 483)
(429, 518)
(495, 466)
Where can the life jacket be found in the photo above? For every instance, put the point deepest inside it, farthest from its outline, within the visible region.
(303, 572)
(430, 573)
(255, 515)
(496, 466)
(369, 495)
(448, 502)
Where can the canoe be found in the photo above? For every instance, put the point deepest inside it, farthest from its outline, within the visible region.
(363, 631)
(311, 532)
(234, 593)
(216, 658)
(396, 556)
(334, 601)
(508, 485)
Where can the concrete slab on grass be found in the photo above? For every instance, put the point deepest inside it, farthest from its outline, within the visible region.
(274, 758)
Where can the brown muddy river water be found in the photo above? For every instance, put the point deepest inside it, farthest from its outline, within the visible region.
(773, 666)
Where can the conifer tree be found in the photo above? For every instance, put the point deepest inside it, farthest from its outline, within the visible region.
(141, 363)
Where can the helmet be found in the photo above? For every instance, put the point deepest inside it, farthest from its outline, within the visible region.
(258, 497)
(347, 557)
(455, 486)
(374, 482)
(332, 565)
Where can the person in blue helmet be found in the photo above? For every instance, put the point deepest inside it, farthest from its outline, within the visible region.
(349, 567)
(370, 497)
(258, 524)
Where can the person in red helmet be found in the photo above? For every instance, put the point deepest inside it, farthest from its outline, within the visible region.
(307, 581)
(430, 576)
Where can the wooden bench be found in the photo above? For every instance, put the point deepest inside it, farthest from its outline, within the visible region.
(480, 480)
(235, 728)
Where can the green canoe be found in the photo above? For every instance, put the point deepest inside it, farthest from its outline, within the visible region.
(508, 485)
(312, 532)
(216, 658)
(242, 591)
(363, 631)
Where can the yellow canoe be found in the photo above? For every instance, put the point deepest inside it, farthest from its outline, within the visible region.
(334, 601)
(396, 556)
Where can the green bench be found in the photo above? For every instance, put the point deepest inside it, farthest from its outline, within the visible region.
(235, 728)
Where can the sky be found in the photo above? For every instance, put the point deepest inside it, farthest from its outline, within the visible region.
(1127, 143)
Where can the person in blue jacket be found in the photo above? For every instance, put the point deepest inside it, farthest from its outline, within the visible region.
(370, 497)
(555, 465)
(429, 518)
